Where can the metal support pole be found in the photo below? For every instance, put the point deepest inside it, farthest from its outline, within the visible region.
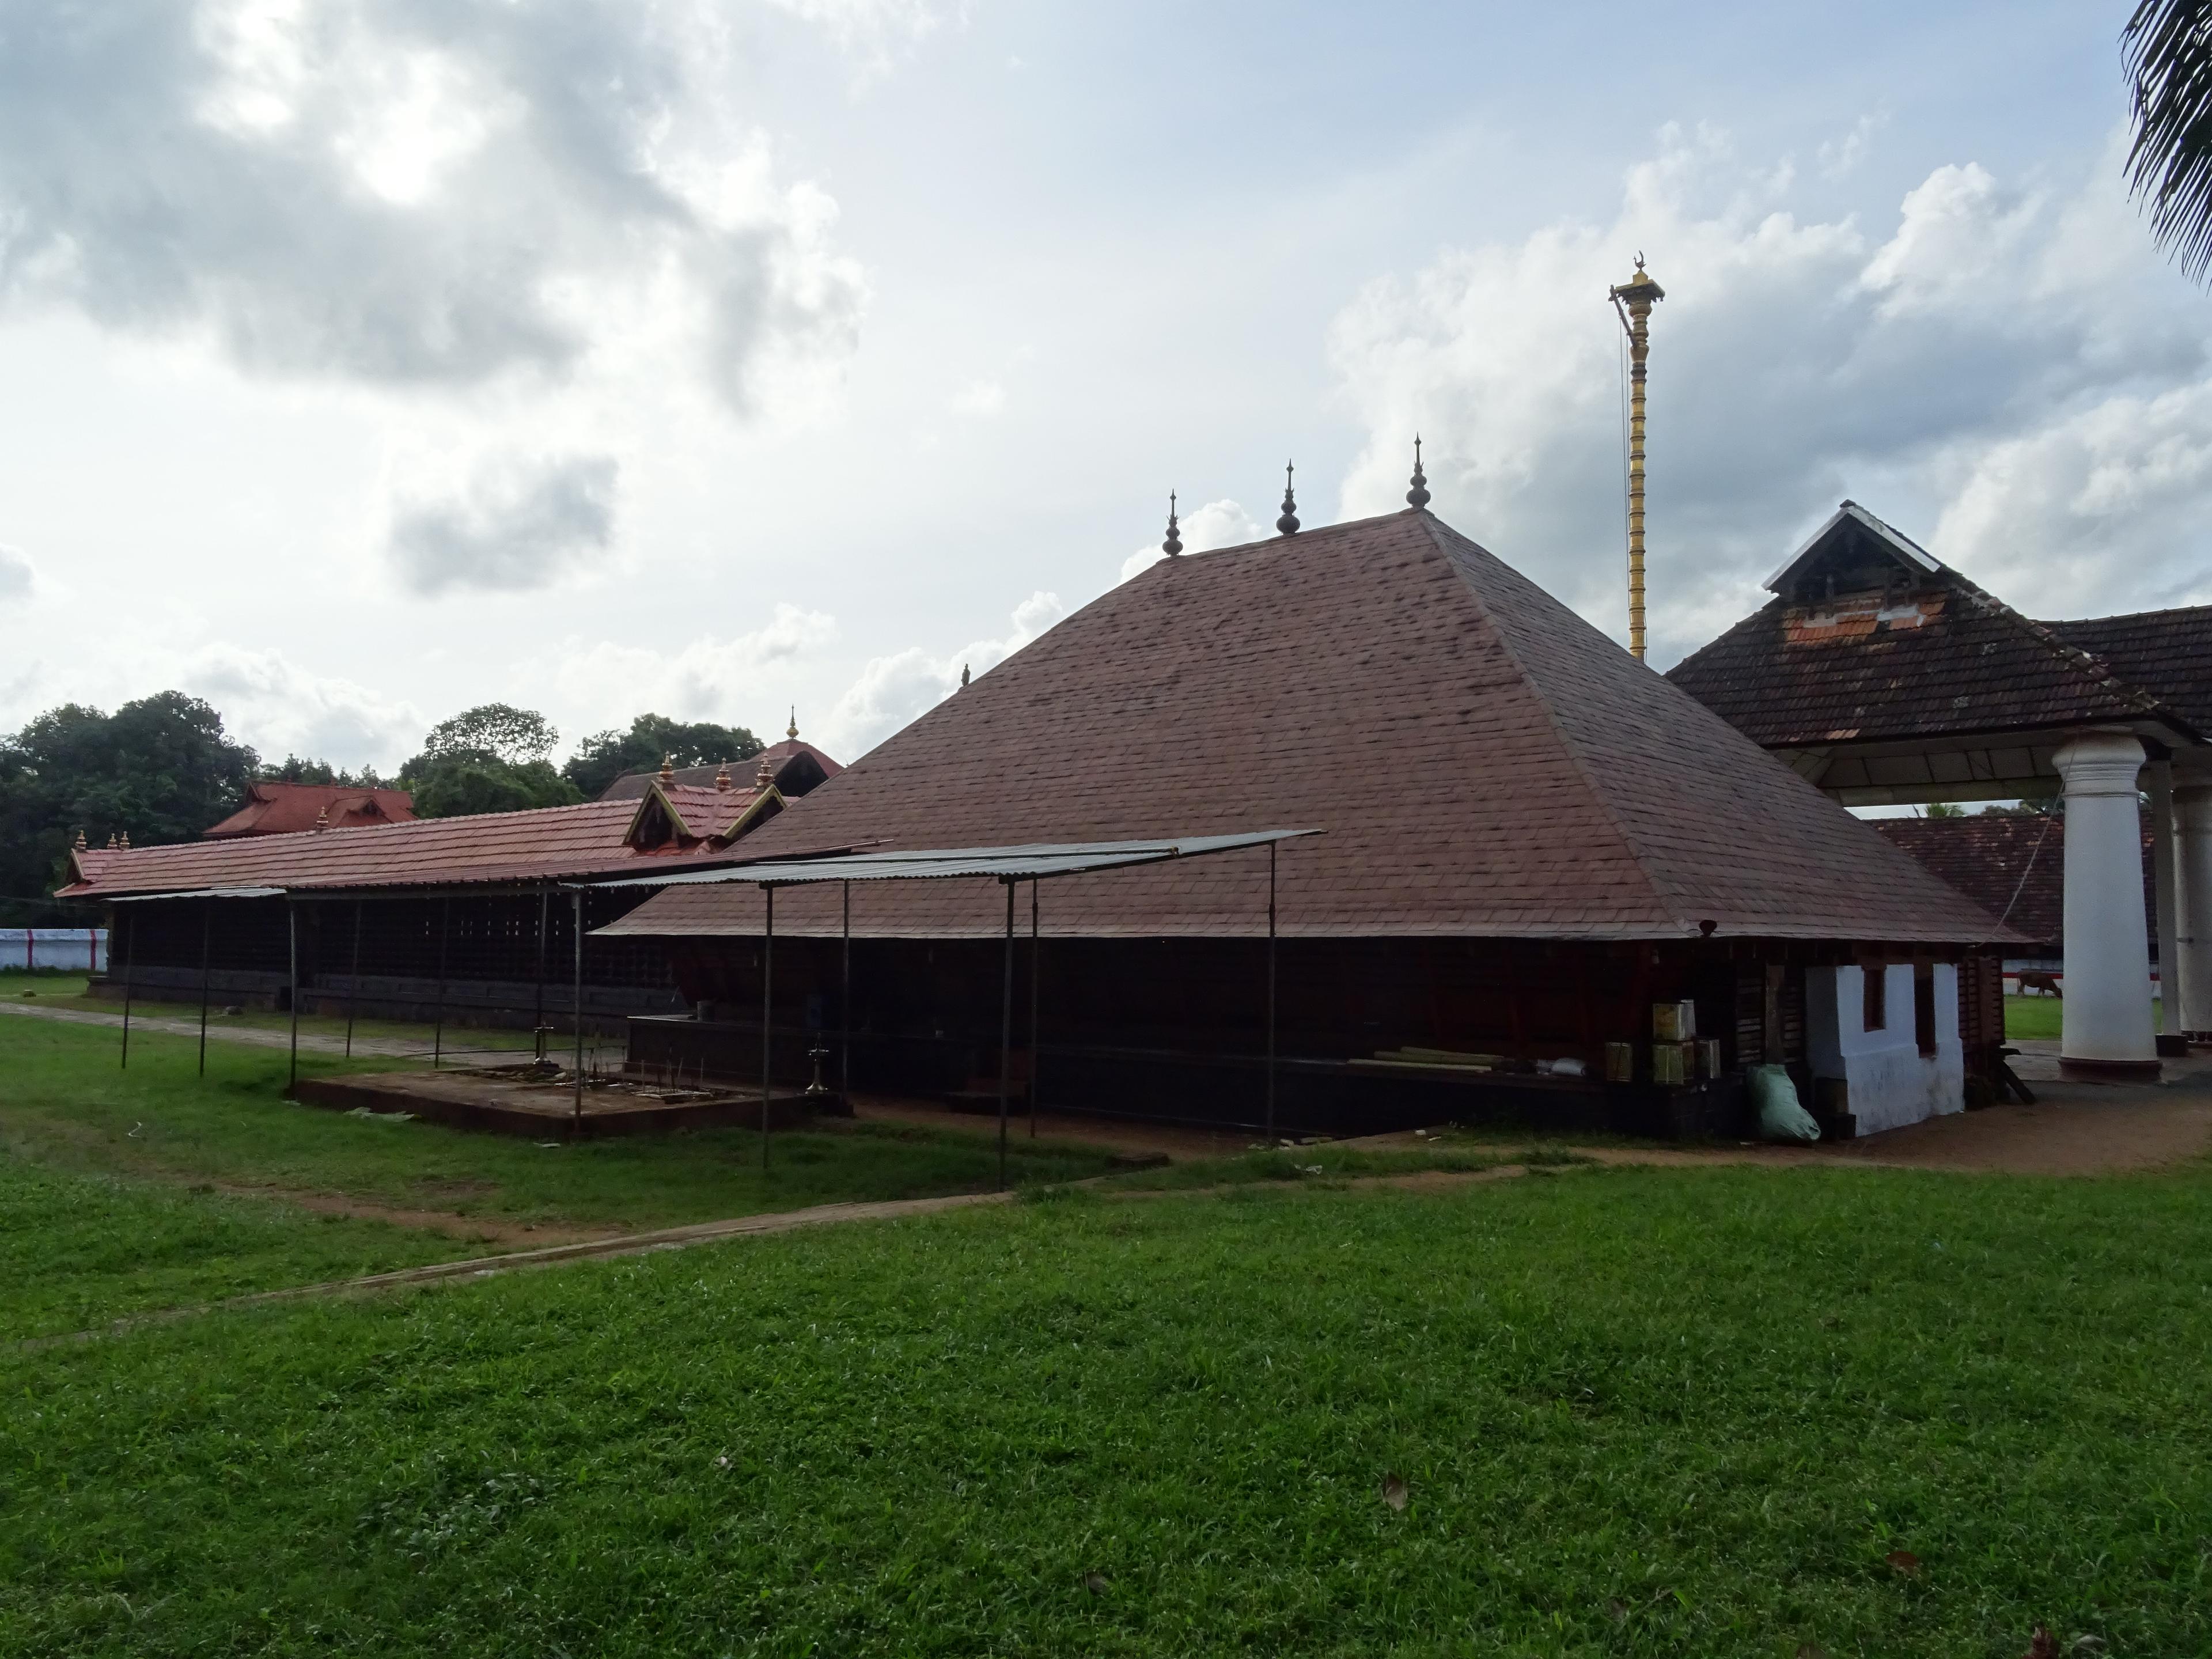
(845, 1009)
(1270, 991)
(207, 932)
(1037, 972)
(292, 937)
(126, 925)
(438, 1031)
(353, 979)
(577, 1114)
(768, 1008)
(1005, 1033)
(537, 1017)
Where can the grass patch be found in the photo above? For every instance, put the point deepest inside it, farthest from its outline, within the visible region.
(2040, 1018)
(137, 1143)
(1326, 1162)
(78, 1251)
(1640, 1411)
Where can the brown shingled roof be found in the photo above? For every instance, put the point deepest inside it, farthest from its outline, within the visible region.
(1541, 782)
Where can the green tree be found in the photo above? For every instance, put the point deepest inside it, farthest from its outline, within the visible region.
(160, 769)
(2167, 48)
(605, 756)
(492, 758)
(295, 770)
(453, 785)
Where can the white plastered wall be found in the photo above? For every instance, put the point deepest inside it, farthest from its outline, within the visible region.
(1890, 1082)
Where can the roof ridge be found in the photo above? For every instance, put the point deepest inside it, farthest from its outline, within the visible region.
(1666, 900)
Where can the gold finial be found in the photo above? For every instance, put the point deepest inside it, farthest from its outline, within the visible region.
(1632, 301)
(323, 818)
(764, 774)
(792, 730)
(667, 772)
(80, 841)
(127, 841)
(110, 840)
(722, 778)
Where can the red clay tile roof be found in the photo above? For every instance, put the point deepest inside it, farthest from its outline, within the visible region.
(2168, 653)
(631, 785)
(549, 844)
(277, 808)
(1999, 862)
(1542, 783)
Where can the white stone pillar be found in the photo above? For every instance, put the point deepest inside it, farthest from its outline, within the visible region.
(2106, 1031)
(2192, 903)
(2158, 784)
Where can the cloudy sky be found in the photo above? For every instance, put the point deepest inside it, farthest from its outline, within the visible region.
(371, 358)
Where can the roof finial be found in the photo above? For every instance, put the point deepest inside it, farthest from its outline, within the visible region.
(127, 841)
(764, 774)
(1288, 524)
(1419, 495)
(963, 676)
(80, 841)
(667, 772)
(323, 818)
(792, 730)
(1173, 546)
(722, 778)
(110, 840)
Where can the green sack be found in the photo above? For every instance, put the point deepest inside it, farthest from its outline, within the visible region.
(1780, 1116)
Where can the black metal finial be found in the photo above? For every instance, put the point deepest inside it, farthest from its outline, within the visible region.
(1419, 495)
(963, 674)
(1288, 524)
(1173, 546)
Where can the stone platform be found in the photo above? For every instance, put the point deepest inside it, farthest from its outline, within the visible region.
(522, 1101)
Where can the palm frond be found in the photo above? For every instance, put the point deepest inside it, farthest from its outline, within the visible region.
(2167, 48)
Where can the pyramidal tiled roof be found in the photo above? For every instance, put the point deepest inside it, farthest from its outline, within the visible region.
(1485, 763)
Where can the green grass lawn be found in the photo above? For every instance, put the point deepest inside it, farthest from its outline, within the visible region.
(2040, 1016)
(1692, 1413)
(92, 1157)
(68, 990)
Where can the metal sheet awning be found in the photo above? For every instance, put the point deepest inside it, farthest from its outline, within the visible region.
(1034, 861)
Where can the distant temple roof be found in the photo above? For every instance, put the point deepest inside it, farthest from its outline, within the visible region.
(2006, 864)
(278, 809)
(1541, 783)
(668, 825)
(795, 766)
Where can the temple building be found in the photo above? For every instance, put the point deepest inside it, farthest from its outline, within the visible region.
(464, 918)
(1881, 675)
(280, 809)
(1534, 852)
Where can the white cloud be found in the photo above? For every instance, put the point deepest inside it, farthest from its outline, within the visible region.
(893, 690)
(978, 398)
(522, 525)
(280, 708)
(18, 577)
(1218, 524)
(710, 678)
(871, 31)
(1840, 158)
(446, 193)
(1993, 329)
